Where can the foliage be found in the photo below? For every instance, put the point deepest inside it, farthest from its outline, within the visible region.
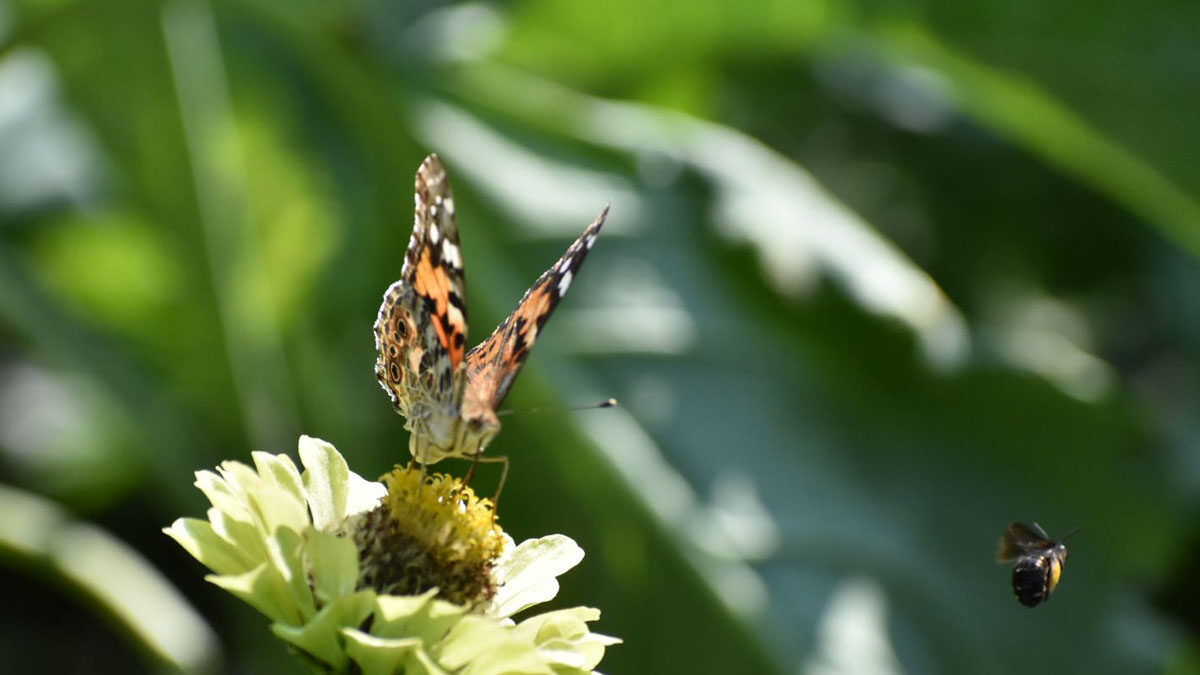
(878, 279)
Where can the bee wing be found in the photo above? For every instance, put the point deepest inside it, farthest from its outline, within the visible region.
(1020, 539)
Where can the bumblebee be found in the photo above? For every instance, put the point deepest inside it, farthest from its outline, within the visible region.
(1039, 561)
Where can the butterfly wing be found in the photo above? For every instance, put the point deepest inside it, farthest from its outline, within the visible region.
(421, 329)
(1020, 539)
(493, 365)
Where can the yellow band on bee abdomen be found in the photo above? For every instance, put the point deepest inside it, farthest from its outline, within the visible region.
(1055, 573)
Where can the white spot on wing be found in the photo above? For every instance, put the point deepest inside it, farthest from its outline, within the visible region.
(591, 239)
(434, 233)
(450, 254)
(564, 283)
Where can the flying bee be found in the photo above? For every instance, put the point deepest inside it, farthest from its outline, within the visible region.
(1039, 561)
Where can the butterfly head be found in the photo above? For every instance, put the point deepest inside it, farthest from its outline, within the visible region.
(436, 437)
(480, 425)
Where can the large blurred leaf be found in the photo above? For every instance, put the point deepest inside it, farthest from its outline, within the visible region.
(110, 576)
(878, 279)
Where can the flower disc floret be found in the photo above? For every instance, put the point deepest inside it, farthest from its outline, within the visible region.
(429, 534)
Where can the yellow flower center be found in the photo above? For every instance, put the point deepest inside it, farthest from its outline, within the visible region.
(432, 534)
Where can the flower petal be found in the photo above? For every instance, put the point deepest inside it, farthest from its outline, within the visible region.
(263, 589)
(527, 576)
(242, 534)
(419, 616)
(364, 495)
(326, 478)
(269, 505)
(562, 623)
(200, 539)
(321, 636)
(379, 656)
(280, 471)
(478, 644)
(333, 564)
(222, 495)
(287, 552)
(563, 639)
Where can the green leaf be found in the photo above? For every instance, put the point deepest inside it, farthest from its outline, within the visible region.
(111, 578)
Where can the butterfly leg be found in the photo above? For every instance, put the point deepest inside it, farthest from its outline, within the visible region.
(471, 471)
(479, 458)
(417, 449)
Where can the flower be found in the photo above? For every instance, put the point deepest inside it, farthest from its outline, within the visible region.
(429, 532)
(414, 577)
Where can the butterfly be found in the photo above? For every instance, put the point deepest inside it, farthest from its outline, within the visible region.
(448, 395)
(1039, 561)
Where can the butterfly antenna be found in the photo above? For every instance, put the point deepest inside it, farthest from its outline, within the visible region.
(1070, 534)
(606, 403)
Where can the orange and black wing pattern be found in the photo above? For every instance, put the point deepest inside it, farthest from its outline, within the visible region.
(493, 365)
(421, 329)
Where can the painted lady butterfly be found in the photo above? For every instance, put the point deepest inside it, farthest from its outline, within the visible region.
(449, 399)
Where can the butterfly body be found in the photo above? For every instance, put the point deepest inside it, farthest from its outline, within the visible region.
(448, 396)
(1038, 562)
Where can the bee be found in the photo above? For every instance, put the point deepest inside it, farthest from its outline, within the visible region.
(1039, 561)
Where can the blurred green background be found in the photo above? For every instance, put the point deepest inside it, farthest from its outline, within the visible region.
(879, 278)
